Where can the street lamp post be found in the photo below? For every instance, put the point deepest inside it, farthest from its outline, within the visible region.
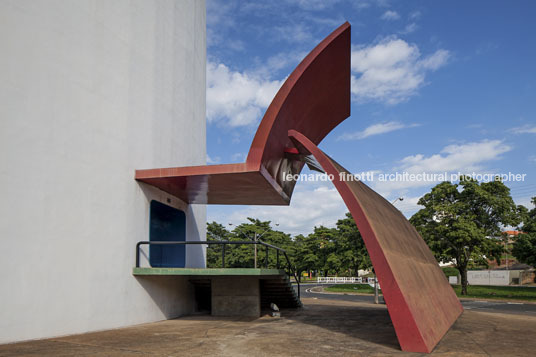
(255, 247)
(376, 292)
(398, 199)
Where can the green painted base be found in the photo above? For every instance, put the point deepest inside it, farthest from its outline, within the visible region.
(207, 272)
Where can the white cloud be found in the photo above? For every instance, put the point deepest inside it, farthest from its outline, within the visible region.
(281, 61)
(414, 15)
(436, 60)
(239, 157)
(214, 160)
(464, 158)
(235, 98)
(376, 129)
(390, 15)
(295, 33)
(392, 70)
(361, 4)
(408, 206)
(525, 129)
(319, 203)
(312, 204)
(314, 5)
(524, 201)
(218, 16)
(411, 27)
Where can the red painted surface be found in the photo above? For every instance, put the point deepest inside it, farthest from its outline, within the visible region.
(292, 150)
(314, 99)
(421, 303)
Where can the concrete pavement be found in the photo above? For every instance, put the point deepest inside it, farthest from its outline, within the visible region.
(322, 327)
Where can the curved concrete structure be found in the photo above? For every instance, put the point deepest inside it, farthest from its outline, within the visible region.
(314, 99)
(421, 303)
(89, 91)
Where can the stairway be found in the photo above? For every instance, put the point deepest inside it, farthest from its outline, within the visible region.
(278, 290)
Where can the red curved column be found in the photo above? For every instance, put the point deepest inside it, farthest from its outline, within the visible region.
(421, 303)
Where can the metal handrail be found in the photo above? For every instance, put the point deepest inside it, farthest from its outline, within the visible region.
(291, 270)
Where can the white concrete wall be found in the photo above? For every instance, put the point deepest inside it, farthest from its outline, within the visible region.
(491, 277)
(89, 92)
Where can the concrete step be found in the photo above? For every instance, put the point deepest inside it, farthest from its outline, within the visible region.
(280, 292)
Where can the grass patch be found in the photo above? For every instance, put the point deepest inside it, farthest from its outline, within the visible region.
(351, 288)
(498, 292)
(450, 271)
(473, 291)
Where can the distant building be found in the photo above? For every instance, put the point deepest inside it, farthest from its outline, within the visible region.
(511, 235)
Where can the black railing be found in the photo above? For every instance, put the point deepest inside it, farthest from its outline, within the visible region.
(291, 272)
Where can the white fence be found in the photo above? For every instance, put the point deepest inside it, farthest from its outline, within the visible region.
(344, 280)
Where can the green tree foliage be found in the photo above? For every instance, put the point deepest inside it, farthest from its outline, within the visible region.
(525, 245)
(459, 222)
(242, 255)
(326, 251)
(215, 232)
(351, 247)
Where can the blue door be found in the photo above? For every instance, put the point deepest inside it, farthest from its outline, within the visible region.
(167, 224)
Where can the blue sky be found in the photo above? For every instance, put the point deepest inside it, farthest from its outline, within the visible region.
(436, 86)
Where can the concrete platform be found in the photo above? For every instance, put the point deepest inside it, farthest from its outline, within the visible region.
(232, 291)
(322, 327)
(208, 272)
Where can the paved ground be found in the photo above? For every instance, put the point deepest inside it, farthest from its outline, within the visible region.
(519, 308)
(322, 327)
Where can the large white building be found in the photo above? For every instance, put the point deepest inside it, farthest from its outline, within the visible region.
(90, 91)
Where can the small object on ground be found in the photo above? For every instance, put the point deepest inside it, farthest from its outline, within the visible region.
(275, 310)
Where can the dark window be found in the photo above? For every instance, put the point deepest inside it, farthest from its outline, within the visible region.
(167, 224)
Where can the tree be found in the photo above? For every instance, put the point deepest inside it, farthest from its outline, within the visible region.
(242, 255)
(459, 222)
(323, 242)
(351, 247)
(215, 232)
(304, 254)
(525, 245)
(338, 251)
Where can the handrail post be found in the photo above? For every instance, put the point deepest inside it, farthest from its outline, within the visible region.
(266, 263)
(138, 255)
(277, 259)
(297, 282)
(223, 256)
(289, 268)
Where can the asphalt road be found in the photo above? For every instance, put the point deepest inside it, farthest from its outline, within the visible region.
(517, 308)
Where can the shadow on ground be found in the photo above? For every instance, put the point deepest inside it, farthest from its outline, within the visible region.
(322, 327)
(365, 322)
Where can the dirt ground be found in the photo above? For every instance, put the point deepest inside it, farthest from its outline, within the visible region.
(322, 327)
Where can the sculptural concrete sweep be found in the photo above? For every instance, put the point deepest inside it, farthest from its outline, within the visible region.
(314, 99)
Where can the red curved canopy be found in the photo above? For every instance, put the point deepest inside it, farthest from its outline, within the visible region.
(314, 99)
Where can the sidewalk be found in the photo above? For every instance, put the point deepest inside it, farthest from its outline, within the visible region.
(322, 327)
